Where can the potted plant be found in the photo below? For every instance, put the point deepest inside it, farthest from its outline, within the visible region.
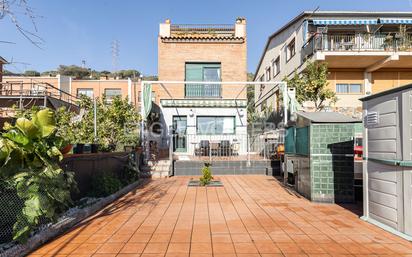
(206, 177)
(388, 41)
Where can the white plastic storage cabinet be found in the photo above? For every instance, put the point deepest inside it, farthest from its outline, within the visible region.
(387, 142)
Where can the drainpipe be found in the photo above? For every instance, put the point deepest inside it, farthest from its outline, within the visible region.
(285, 103)
(129, 90)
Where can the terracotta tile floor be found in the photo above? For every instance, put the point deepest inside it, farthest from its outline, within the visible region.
(249, 216)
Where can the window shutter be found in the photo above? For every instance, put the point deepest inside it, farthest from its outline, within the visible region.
(194, 72)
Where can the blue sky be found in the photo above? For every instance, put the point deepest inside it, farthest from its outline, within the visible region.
(76, 30)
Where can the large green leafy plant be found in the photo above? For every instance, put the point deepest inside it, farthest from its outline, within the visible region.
(29, 160)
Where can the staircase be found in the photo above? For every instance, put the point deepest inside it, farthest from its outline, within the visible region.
(156, 169)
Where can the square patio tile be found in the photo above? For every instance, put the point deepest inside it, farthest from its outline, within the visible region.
(203, 248)
(219, 248)
(178, 248)
(156, 248)
(133, 248)
(248, 248)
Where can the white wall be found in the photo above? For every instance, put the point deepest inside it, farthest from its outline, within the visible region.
(64, 83)
(240, 130)
(277, 47)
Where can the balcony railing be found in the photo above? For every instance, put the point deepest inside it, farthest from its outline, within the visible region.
(357, 42)
(203, 91)
(203, 28)
(35, 90)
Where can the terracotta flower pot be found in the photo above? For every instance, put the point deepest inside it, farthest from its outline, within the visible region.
(66, 149)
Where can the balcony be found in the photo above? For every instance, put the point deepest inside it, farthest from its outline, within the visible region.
(26, 95)
(360, 50)
(203, 91)
(357, 42)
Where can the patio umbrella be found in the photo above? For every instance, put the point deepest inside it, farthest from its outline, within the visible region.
(147, 100)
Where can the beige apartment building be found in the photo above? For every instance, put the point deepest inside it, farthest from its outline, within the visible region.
(202, 53)
(366, 53)
(64, 85)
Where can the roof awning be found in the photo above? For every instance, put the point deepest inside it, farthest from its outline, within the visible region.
(346, 22)
(395, 21)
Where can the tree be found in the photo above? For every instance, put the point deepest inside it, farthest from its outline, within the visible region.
(151, 78)
(9, 73)
(312, 85)
(50, 73)
(127, 74)
(15, 11)
(74, 71)
(250, 92)
(116, 123)
(31, 73)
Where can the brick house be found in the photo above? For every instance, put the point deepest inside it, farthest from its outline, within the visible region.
(202, 112)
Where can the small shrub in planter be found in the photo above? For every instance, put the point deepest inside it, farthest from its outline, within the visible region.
(206, 175)
(104, 185)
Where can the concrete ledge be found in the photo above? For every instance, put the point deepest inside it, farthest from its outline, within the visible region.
(387, 228)
(64, 225)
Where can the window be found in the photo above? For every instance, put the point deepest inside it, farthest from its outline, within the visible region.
(290, 50)
(203, 72)
(262, 86)
(153, 96)
(348, 88)
(85, 91)
(215, 125)
(276, 66)
(264, 105)
(139, 96)
(111, 93)
(268, 74)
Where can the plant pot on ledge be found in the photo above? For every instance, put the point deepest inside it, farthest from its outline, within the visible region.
(78, 149)
(94, 148)
(66, 149)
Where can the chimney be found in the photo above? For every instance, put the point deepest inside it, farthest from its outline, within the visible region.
(164, 29)
(240, 27)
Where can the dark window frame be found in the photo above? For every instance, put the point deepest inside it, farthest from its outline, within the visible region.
(87, 89)
(290, 51)
(215, 117)
(274, 62)
(348, 88)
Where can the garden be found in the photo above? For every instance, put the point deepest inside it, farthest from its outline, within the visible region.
(56, 163)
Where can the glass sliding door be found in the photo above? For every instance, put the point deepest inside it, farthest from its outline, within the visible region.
(208, 72)
(179, 131)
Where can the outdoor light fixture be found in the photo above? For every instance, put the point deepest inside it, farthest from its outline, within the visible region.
(241, 113)
(191, 113)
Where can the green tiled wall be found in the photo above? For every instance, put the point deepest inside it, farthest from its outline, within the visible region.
(331, 170)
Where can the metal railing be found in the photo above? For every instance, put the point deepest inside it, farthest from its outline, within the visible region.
(357, 42)
(40, 90)
(236, 146)
(203, 91)
(203, 28)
